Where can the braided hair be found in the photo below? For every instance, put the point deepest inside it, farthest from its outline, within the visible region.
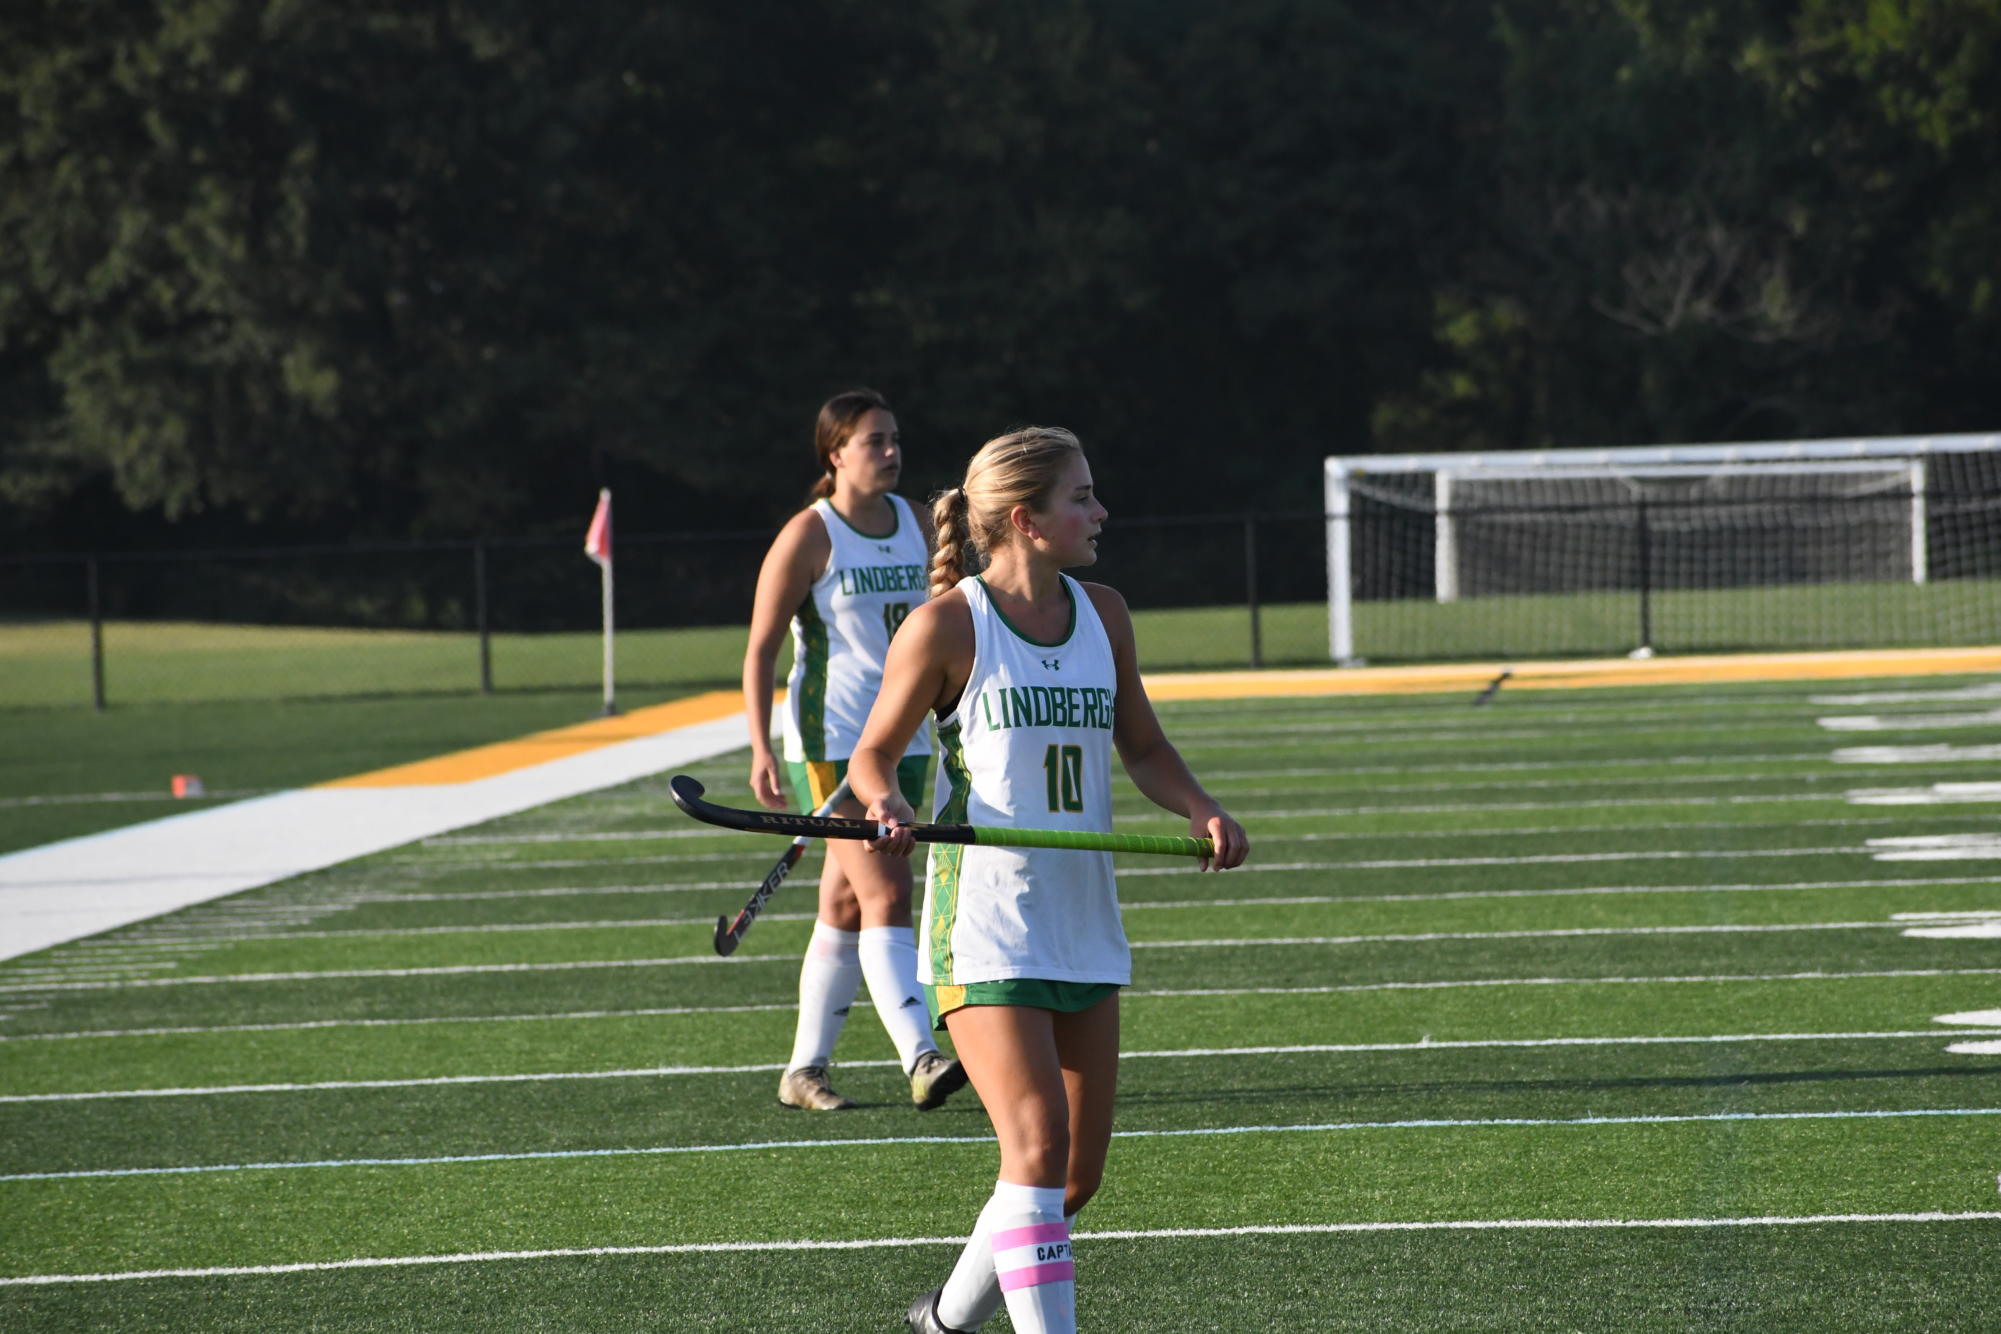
(1019, 468)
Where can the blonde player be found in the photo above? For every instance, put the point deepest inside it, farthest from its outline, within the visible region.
(844, 572)
(1035, 682)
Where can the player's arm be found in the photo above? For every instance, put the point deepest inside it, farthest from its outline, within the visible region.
(1151, 760)
(797, 556)
(930, 659)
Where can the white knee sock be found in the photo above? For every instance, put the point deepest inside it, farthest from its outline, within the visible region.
(1031, 1244)
(829, 977)
(889, 962)
(973, 1293)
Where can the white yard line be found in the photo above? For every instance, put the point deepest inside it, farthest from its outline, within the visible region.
(1254, 942)
(1136, 994)
(1541, 859)
(885, 1141)
(1186, 1053)
(892, 1244)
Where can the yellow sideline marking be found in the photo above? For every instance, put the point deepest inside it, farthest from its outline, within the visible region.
(506, 756)
(502, 757)
(1569, 675)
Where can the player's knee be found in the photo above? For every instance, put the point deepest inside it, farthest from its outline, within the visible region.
(1041, 1149)
(1083, 1184)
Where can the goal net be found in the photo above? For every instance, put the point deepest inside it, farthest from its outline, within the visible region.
(1687, 548)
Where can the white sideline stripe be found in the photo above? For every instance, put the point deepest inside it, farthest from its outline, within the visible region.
(637, 923)
(1543, 831)
(1408, 937)
(1303, 1049)
(1494, 1224)
(556, 891)
(489, 864)
(81, 886)
(440, 970)
(1521, 766)
(1816, 773)
(565, 1016)
(1332, 1127)
(209, 938)
(1741, 887)
(580, 836)
(1975, 1048)
(1541, 859)
(712, 959)
(1568, 982)
(1394, 736)
(1131, 995)
(1475, 807)
(882, 1243)
(1128, 905)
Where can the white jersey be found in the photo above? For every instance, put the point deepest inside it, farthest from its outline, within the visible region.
(840, 633)
(1029, 745)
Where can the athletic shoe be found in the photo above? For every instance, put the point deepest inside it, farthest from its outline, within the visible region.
(922, 1317)
(935, 1078)
(807, 1087)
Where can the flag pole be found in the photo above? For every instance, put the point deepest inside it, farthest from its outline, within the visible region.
(597, 545)
(610, 677)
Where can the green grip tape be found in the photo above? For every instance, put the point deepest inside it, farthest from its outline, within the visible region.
(1168, 845)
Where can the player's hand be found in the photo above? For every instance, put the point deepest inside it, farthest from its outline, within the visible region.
(766, 784)
(894, 812)
(1231, 842)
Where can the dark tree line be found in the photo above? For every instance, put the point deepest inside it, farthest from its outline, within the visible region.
(279, 268)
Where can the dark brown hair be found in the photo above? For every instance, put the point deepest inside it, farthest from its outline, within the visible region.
(836, 423)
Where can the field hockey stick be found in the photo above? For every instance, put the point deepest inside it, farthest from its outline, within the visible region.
(728, 933)
(687, 795)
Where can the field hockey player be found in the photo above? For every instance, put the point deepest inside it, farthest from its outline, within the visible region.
(1035, 680)
(844, 572)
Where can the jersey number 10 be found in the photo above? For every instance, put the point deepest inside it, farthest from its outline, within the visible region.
(1063, 766)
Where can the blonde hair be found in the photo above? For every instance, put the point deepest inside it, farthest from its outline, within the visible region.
(1019, 468)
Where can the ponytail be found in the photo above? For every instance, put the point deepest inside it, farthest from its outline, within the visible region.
(1019, 468)
(949, 561)
(821, 488)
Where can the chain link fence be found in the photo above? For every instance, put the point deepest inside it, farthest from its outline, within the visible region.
(1215, 591)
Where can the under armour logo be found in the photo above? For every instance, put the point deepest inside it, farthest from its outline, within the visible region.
(1053, 664)
(909, 1001)
(885, 548)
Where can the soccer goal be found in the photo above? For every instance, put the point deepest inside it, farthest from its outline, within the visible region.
(1673, 548)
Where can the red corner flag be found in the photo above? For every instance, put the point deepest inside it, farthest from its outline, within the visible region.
(597, 542)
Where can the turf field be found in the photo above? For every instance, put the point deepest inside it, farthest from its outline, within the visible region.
(46, 665)
(1586, 1010)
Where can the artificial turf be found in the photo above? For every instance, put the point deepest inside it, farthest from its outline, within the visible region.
(1584, 1010)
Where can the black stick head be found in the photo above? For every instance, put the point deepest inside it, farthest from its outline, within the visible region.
(725, 942)
(687, 793)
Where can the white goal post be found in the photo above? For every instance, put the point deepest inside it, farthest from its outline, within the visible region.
(1595, 527)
